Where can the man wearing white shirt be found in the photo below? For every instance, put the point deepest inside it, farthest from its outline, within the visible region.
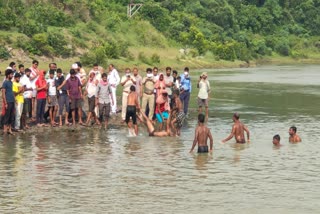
(27, 95)
(203, 95)
(113, 80)
(52, 98)
(126, 81)
(96, 72)
(33, 78)
(168, 80)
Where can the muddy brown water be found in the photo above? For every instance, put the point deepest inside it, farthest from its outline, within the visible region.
(96, 171)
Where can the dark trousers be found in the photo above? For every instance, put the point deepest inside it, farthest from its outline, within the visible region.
(185, 97)
(41, 105)
(9, 114)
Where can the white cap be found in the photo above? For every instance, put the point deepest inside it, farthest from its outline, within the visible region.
(74, 66)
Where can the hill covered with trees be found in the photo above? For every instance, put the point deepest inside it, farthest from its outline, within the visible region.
(98, 30)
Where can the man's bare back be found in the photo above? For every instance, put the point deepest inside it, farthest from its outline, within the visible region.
(133, 99)
(202, 134)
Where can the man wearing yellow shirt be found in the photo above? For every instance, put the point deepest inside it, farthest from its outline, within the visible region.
(18, 94)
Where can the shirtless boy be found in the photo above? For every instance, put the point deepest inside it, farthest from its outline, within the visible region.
(151, 129)
(202, 133)
(179, 115)
(132, 107)
(294, 138)
(276, 140)
(238, 130)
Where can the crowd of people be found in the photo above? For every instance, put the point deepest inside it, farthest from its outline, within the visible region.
(32, 95)
(158, 100)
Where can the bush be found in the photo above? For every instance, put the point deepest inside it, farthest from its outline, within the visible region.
(97, 55)
(155, 58)
(143, 58)
(282, 47)
(59, 44)
(4, 54)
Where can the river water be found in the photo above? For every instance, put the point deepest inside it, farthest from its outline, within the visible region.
(93, 171)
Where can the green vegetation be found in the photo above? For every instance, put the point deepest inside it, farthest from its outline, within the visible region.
(206, 30)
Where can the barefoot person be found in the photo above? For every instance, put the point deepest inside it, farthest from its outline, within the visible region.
(52, 97)
(132, 107)
(238, 130)
(74, 91)
(103, 95)
(91, 89)
(180, 116)
(151, 129)
(294, 138)
(202, 133)
(8, 102)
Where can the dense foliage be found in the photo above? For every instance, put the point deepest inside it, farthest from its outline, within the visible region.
(230, 29)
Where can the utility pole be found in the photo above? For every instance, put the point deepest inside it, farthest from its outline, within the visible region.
(133, 8)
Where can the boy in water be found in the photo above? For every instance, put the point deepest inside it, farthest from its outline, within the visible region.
(151, 129)
(276, 140)
(294, 138)
(238, 130)
(202, 133)
(180, 116)
(132, 107)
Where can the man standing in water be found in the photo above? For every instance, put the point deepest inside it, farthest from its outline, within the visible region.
(202, 133)
(132, 107)
(238, 130)
(294, 138)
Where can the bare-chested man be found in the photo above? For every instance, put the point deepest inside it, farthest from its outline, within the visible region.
(238, 130)
(202, 133)
(151, 129)
(294, 138)
(180, 116)
(132, 107)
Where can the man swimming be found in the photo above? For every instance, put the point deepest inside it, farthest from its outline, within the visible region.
(151, 129)
(238, 130)
(294, 138)
(202, 133)
(276, 140)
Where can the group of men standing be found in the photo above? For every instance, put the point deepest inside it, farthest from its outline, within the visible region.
(27, 91)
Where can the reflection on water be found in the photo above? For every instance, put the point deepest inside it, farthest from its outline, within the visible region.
(108, 172)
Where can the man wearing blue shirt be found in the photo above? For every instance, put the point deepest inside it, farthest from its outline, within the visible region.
(185, 89)
(8, 102)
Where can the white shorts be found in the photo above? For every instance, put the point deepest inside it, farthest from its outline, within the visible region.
(34, 92)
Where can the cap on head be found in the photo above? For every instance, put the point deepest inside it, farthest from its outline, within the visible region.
(204, 74)
(74, 66)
